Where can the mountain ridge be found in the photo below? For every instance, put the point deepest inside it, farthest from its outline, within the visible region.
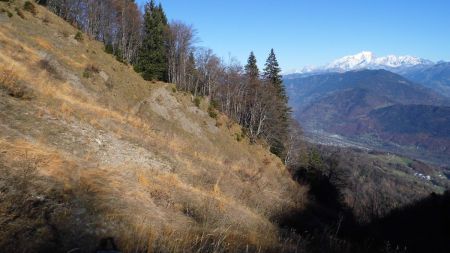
(365, 60)
(344, 104)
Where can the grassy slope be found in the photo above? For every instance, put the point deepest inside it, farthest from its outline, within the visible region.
(114, 155)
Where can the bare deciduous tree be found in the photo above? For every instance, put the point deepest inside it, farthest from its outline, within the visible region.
(180, 42)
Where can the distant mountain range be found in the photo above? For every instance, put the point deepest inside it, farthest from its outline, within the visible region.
(375, 108)
(435, 76)
(367, 60)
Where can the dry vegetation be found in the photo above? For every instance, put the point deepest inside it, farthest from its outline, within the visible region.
(370, 183)
(95, 151)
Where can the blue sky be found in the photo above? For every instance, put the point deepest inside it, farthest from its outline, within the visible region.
(314, 32)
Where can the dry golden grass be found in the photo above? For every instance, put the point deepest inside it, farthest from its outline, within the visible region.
(136, 176)
(8, 79)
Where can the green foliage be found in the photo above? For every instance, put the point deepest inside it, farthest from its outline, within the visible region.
(251, 69)
(174, 89)
(272, 74)
(197, 101)
(214, 104)
(120, 59)
(115, 50)
(109, 49)
(152, 57)
(240, 136)
(280, 111)
(212, 112)
(30, 7)
(86, 74)
(79, 36)
(315, 160)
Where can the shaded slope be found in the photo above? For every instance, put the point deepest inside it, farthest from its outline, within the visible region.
(422, 226)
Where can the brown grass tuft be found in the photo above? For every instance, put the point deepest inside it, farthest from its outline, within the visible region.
(90, 70)
(9, 81)
(20, 13)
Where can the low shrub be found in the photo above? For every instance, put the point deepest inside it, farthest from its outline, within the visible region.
(9, 82)
(79, 36)
(3, 10)
(197, 101)
(240, 136)
(30, 7)
(109, 49)
(20, 13)
(214, 104)
(212, 111)
(90, 70)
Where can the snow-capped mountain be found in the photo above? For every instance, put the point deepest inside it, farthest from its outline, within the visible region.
(367, 60)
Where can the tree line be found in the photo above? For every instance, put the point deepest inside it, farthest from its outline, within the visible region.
(166, 51)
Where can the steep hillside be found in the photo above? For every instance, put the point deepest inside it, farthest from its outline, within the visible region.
(436, 77)
(420, 129)
(89, 150)
(410, 119)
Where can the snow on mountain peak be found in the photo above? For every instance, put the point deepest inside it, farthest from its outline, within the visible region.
(353, 61)
(367, 60)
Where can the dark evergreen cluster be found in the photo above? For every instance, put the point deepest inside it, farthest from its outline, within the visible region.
(268, 114)
(152, 57)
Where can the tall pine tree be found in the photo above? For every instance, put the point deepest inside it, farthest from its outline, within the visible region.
(272, 74)
(191, 74)
(280, 111)
(251, 69)
(152, 58)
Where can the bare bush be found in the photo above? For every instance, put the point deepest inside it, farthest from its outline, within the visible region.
(9, 81)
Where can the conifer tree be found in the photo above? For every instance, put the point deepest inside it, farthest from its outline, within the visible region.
(272, 74)
(280, 111)
(152, 58)
(251, 69)
(191, 74)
